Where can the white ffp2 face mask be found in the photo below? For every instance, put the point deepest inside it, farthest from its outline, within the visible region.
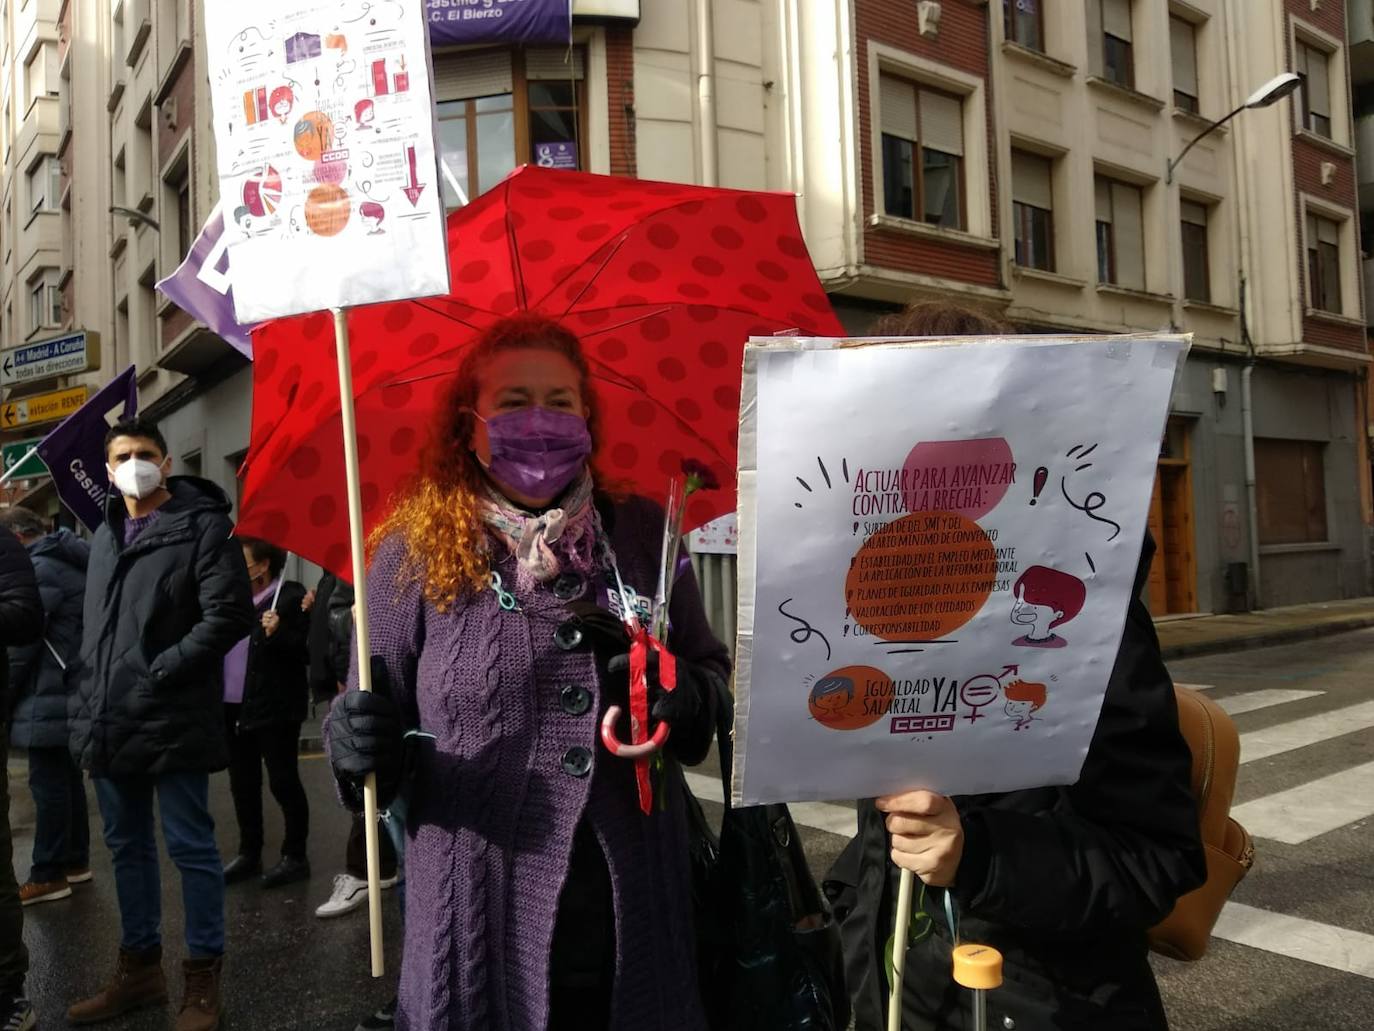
(137, 478)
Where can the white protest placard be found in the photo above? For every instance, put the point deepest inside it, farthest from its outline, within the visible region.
(324, 124)
(718, 537)
(938, 543)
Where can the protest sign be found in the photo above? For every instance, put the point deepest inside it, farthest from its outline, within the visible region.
(506, 21)
(718, 537)
(938, 542)
(324, 124)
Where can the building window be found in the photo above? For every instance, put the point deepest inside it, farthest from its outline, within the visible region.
(1312, 68)
(40, 74)
(1183, 51)
(1324, 263)
(495, 114)
(923, 153)
(45, 302)
(1033, 210)
(1290, 479)
(1113, 19)
(45, 185)
(1196, 276)
(185, 227)
(1120, 233)
(1024, 23)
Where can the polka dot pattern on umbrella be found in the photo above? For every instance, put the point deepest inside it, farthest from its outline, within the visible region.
(664, 283)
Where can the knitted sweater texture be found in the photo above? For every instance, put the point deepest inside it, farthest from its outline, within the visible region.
(499, 794)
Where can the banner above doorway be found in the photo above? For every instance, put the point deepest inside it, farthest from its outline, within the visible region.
(454, 22)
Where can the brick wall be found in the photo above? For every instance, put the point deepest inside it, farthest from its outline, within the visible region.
(1308, 158)
(620, 97)
(962, 44)
(183, 96)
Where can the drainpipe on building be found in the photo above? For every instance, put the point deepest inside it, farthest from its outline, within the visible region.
(1247, 421)
(706, 91)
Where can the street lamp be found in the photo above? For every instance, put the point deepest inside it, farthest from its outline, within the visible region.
(1271, 92)
(134, 215)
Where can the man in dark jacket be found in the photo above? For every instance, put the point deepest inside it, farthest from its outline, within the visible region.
(1063, 881)
(265, 700)
(167, 596)
(43, 676)
(21, 622)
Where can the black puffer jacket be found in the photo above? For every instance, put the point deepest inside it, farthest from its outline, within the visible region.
(21, 609)
(39, 686)
(160, 616)
(1063, 881)
(276, 689)
(341, 630)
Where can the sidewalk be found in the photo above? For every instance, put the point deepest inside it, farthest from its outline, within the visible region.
(1181, 636)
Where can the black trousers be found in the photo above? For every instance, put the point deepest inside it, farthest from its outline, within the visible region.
(355, 851)
(275, 746)
(14, 958)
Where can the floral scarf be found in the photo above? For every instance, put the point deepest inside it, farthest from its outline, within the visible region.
(545, 543)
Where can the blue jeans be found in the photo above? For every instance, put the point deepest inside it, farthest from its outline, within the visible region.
(394, 823)
(62, 830)
(189, 831)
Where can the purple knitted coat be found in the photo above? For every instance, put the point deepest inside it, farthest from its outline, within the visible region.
(498, 797)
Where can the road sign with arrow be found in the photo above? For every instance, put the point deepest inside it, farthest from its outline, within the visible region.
(50, 407)
(60, 356)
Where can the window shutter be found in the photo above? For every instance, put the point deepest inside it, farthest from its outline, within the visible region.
(1128, 233)
(1193, 213)
(1102, 190)
(1030, 180)
(942, 123)
(1116, 18)
(553, 63)
(897, 106)
(1094, 37)
(1318, 87)
(1183, 51)
(464, 76)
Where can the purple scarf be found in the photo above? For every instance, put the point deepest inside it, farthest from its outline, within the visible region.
(236, 659)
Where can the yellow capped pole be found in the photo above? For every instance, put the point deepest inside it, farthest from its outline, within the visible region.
(360, 628)
(979, 968)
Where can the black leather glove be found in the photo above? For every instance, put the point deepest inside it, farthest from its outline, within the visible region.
(687, 709)
(366, 736)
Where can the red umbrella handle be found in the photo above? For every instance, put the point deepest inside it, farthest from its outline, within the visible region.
(622, 750)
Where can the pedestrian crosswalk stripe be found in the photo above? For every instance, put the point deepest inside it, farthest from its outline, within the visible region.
(1310, 809)
(819, 816)
(1335, 947)
(1285, 737)
(1238, 703)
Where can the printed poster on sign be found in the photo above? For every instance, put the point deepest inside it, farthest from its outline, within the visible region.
(718, 537)
(465, 22)
(938, 543)
(324, 124)
(562, 154)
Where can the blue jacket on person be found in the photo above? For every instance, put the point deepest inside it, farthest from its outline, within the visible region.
(39, 685)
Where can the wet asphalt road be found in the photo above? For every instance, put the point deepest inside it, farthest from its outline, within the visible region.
(286, 969)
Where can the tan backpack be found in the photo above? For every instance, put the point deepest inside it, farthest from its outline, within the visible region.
(1212, 738)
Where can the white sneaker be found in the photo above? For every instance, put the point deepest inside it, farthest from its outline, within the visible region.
(349, 894)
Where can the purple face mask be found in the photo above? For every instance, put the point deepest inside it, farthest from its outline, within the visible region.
(537, 452)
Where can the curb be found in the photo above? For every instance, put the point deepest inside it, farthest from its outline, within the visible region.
(1266, 638)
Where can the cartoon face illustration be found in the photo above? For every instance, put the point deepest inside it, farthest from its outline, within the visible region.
(281, 103)
(1023, 700)
(1045, 599)
(832, 694)
(373, 215)
(243, 217)
(363, 113)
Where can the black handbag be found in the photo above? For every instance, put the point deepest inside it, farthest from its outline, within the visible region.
(768, 948)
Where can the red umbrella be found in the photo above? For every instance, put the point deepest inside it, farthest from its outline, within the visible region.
(663, 283)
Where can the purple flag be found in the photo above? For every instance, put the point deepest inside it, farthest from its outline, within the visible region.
(201, 286)
(506, 21)
(74, 452)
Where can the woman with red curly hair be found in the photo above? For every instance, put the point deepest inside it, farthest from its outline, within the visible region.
(539, 895)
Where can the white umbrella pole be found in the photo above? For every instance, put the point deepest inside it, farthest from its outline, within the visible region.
(281, 579)
(899, 936)
(360, 629)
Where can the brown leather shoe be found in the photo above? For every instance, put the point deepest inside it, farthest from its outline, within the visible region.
(201, 1005)
(138, 981)
(48, 891)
